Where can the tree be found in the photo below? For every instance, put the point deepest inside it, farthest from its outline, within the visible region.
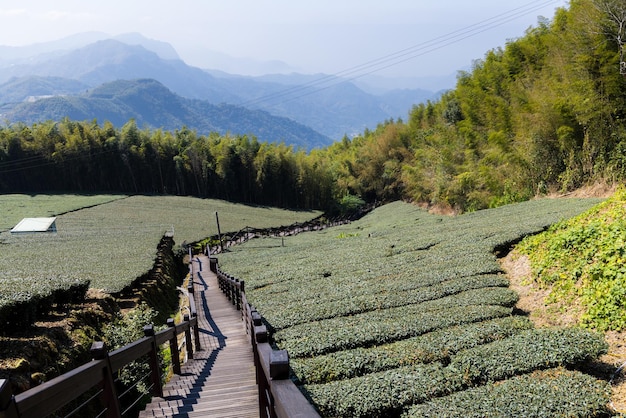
(613, 25)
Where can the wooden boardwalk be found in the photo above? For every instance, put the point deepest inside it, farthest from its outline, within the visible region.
(220, 381)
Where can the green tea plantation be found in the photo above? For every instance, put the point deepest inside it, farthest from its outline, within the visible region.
(405, 313)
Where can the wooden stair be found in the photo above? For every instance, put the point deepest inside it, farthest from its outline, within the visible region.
(220, 381)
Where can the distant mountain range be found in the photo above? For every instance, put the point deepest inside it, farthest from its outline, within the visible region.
(68, 78)
(153, 105)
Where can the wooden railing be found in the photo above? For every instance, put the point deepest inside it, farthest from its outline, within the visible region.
(247, 233)
(97, 380)
(279, 397)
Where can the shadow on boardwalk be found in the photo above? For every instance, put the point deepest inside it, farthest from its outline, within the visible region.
(220, 380)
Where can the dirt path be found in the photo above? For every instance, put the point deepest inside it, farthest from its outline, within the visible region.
(532, 302)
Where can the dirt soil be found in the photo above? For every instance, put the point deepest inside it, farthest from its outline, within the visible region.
(56, 343)
(532, 302)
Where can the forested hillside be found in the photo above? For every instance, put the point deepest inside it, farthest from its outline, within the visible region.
(545, 113)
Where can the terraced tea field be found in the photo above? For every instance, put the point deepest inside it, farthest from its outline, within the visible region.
(404, 313)
(111, 241)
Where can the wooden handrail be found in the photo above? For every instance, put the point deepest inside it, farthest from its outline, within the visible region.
(45, 399)
(287, 400)
(279, 397)
(129, 353)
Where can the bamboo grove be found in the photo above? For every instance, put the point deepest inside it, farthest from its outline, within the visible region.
(544, 113)
(86, 157)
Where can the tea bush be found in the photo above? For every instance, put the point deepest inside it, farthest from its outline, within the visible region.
(384, 393)
(106, 242)
(378, 327)
(437, 345)
(385, 297)
(21, 303)
(527, 351)
(550, 393)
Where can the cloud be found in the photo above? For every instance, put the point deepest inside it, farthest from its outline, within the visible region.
(12, 12)
(56, 15)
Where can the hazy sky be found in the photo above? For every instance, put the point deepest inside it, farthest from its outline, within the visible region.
(431, 37)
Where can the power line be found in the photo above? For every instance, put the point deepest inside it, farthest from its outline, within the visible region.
(38, 161)
(401, 56)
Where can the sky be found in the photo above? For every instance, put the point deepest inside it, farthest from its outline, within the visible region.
(391, 38)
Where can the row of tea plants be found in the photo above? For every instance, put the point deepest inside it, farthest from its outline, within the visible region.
(404, 312)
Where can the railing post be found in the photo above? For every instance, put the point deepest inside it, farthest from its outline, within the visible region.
(256, 321)
(188, 337)
(8, 409)
(155, 370)
(279, 365)
(174, 348)
(259, 335)
(196, 332)
(109, 395)
(241, 294)
(237, 294)
(194, 313)
(231, 290)
(244, 305)
(256, 318)
(220, 280)
(190, 287)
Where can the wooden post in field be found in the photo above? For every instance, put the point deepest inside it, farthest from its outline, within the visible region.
(219, 232)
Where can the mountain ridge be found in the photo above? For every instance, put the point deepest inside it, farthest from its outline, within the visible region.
(152, 105)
